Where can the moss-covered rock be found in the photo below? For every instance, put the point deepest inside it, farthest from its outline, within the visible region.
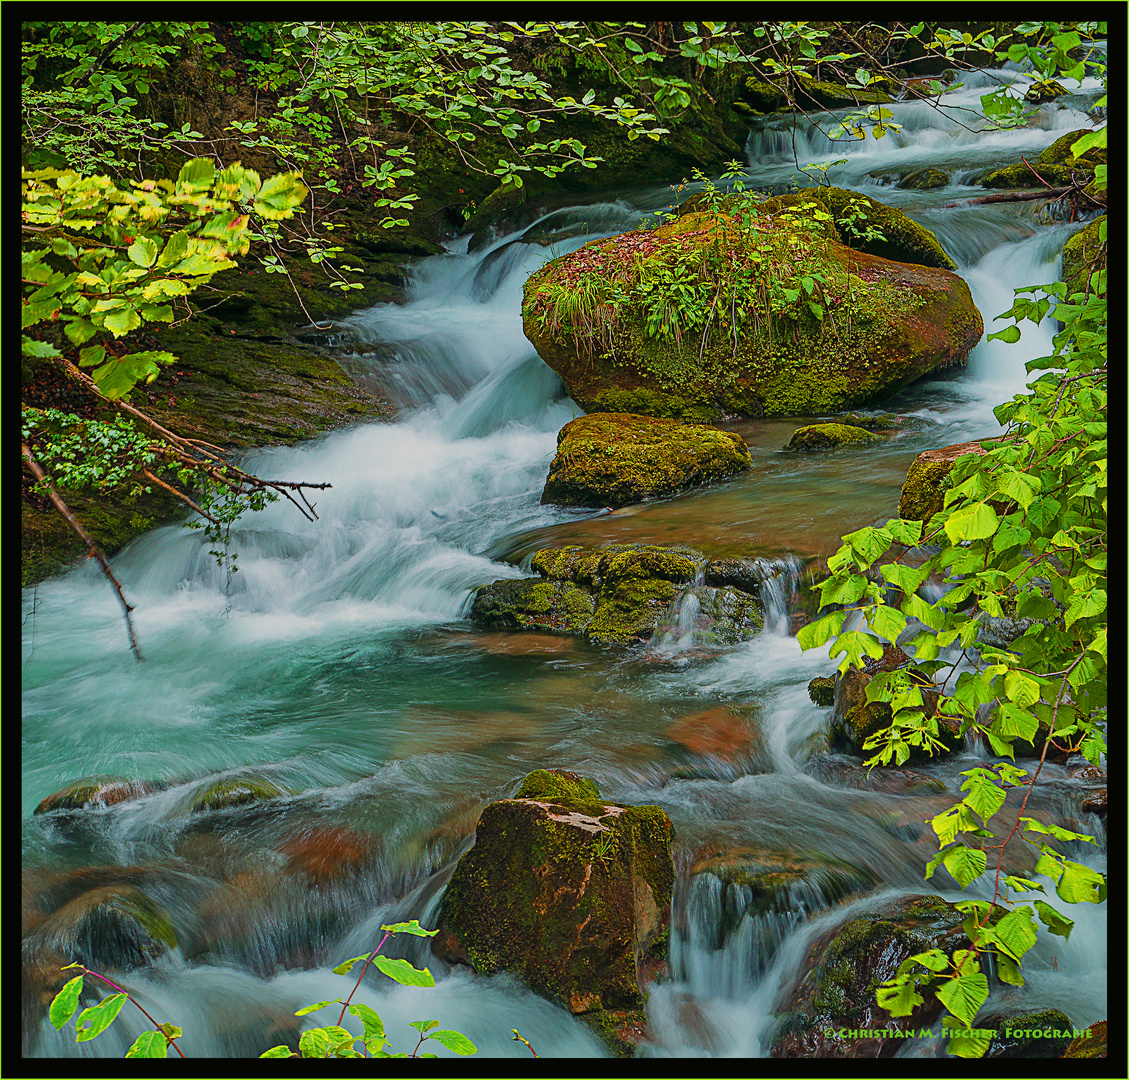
(572, 896)
(885, 323)
(866, 224)
(1044, 90)
(923, 493)
(611, 459)
(231, 791)
(766, 96)
(828, 436)
(855, 718)
(1056, 165)
(844, 968)
(116, 926)
(1082, 257)
(502, 201)
(924, 180)
(96, 792)
(618, 595)
(1090, 1044)
(870, 421)
(1043, 1033)
(821, 690)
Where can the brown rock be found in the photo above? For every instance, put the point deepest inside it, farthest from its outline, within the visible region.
(720, 732)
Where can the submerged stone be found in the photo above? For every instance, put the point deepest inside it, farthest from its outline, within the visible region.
(566, 891)
(827, 437)
(611, 459)
(96, 793)
(113, 926)
(924, 180)
(234, 791)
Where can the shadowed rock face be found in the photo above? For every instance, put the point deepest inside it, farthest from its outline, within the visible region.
(612, 459)
(595, 316)
(566, 891)
(846, 966)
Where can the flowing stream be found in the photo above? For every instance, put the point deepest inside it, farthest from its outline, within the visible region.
(338, 662)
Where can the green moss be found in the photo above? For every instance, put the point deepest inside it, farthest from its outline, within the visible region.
(923, 493)
(821, 690)
(827, 436)
(1020, 176)
(96, 792)
(1059, 152)
(1043, 90)
(1083, 255)
(886, 327)
(501, 201)
(234, 791)
(619, 1030)
(611, 459)
(924, 180)
(1045, 1045)
(556, 785)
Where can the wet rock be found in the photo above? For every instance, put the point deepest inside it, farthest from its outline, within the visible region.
(1044, 90)
(821, 690)
(567, 891)
(1044, 1033)
(870, 421)
(718, 732)
(612, 459)
(758, 880)
(827, 437)
(848, 772)
(1096, 802)
(1091, 1044)
(620, 594)
(743, 574)
(923, 493)
(1056, 165)
(924, 180)
(845, 966)
(327, 854)
(114, 926)
(897, 321)
(497, 206)
(231, 791)
(96, 793)
(855, 719)
(1082, 257)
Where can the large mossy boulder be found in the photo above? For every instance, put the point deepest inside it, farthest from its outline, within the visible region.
(828, 437)
(568, 892)
(1082, 257)
(611, 459)
(636, 323)
(617, 595)
(927, 479)
(866, 224)
(843, 970)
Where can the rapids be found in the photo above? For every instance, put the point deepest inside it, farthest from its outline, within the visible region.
(338, 661)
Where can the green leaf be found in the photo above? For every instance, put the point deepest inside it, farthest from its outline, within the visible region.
(423, 1026)
(149, 1044)
(973, 522)
(452, 1040)
(1081, 885)
(142, 251)
(1008, 970)
(1016, 932)
(97, 1018)
(374, 1026)
(963, 994)
(965, 1042)
(821, 631)
(965, 864)
(899, 998)
(347, 965)
(66, 1002)
(1055, 922)
(278, 1052)
(121, 321)
(196, 175)
(1021, 689)
(905, 532)
(314, 1008)
(403, 972)
(1009, 334)
(412, 927)
(175, 249)
(886, 622)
